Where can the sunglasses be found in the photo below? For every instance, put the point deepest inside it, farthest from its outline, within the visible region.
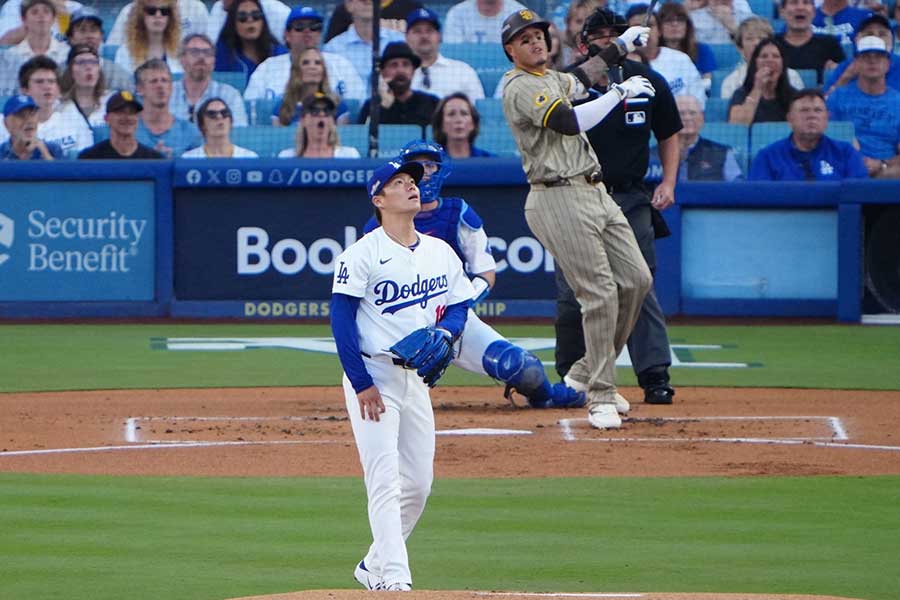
(165, 11)
(306, 27)
(86, 62)
(319, 111)
(222, 113)
(200, 52)
(244, 17)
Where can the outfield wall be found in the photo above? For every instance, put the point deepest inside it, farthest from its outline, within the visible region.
(257, 239)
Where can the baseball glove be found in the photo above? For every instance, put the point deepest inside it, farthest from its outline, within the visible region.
(428, 350)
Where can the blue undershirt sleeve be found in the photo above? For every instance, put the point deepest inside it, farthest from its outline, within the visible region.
(454, 319)
(346, 337)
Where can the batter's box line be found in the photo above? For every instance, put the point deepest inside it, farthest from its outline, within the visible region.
(838, 433)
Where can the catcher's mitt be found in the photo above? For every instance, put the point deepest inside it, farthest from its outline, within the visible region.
(428, 350)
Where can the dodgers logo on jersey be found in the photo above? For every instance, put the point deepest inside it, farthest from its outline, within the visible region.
(420, 291)
(343, 274)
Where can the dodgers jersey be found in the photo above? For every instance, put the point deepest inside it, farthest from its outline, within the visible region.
(400, 290)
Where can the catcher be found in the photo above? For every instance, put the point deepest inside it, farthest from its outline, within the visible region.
(396, 293)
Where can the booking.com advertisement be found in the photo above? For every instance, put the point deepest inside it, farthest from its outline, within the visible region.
(269, 244)
(77, 241)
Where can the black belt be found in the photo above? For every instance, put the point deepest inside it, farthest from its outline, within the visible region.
(592, 179)
(395, 360)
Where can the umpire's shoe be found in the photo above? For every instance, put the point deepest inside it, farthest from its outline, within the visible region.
(656, 386)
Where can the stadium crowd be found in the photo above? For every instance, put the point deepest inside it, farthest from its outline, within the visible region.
(799, 89)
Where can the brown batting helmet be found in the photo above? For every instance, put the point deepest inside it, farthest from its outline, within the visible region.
(518, 21)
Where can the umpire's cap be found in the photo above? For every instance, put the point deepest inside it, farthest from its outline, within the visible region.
(518, 21)
(600, 19)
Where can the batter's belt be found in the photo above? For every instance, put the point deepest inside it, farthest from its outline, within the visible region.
(591, 179)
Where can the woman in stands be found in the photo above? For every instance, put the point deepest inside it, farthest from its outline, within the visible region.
(153, 30)
(677, 32)
(455, 126)
(766, 92)
(245, 40)
(317, 135)
(214, 119)
(84, 86)
(750, 32)
(308, 77)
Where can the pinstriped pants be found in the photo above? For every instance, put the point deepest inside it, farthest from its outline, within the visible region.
(587, 234)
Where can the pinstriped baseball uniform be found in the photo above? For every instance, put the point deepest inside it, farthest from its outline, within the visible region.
(579, 223)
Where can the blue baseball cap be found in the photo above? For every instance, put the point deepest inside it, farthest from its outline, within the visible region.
(423, 14)
(302, 12)
(383, 174)
(17, 104)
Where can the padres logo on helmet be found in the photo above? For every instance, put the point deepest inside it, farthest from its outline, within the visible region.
(518, 21)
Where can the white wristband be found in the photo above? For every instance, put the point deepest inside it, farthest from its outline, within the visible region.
(591, 113)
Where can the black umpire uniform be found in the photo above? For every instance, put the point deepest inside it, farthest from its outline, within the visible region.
(622, 144)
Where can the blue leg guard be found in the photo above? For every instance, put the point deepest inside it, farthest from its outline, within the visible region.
(523, 371)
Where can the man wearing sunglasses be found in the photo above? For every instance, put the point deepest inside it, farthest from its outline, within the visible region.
(198, 58)
(194, 18)
(303, 30)
(276, 12)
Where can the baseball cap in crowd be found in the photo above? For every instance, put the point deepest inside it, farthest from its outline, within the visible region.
(16, 104)
(302, 12)
(80, 49)
(400, 50)
(875, 18)
(423, 14)
(384, 173)
(870, 43)
(85, 13)
(121, 99)
(636, 9)
(317, 100)
(27, 4)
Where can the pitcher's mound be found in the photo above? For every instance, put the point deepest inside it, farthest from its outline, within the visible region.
(475, 595)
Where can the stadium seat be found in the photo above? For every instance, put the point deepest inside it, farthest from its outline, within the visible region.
(108, 51)
(716, 110)
(353, 107)
(260, 111)
(718, 76)
(490, 109)
(841, 130)
(727, 55)
(810, 77)
(265, 140)
(235, 79)
(495, 137)
(763, 134)
(356, 136)
(479, 56)
(393, 137)
(490, 78)
(731, 134)
(763, 8)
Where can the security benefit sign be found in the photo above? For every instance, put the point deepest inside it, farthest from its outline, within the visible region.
(77, 241)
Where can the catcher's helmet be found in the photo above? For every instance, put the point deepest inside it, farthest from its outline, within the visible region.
(518, 21)
(414, 151)
(602, 18)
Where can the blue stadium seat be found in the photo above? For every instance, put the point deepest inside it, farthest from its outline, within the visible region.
(495, 137)
(730, 134)
(260, 111)
(101, 132)
(353, 107)
(393, 137)
(716, 110)
(490, 78)
(356, 136)
(480, 56)
(810, 77)
(235, 79)
(763, 8)
(490, 109)
(108, 51)
(718, 76)
(727, 55)
(841, 130)
(763, 134)
(265, 140)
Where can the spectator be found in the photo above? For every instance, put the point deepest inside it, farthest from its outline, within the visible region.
(575, 18)
(215, 120)
(192, 18)
(803, 49)
(158, 127)
(700, 159)
(400, 104)
(122, 110)
(393, 13)
(555, 56)
(152, 31)
(308, 78)
(245, 41)
(438, 74)
(20, 117)
(38, 18)
(675, 66)
(355, 44)
(873, 108)
(86, 27)
(303, 30)
(478, 21)
(83, 86)
(455, 126)
(766, 92)
(198, 59)
(276, 12)
(880, 27)
(716, 21)
(317, 135)
(65, 128)
(750, 33)
(808, 154)
(677, 32)
(839, 19)
(11, 29)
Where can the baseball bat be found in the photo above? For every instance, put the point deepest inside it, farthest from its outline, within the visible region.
(650, 10)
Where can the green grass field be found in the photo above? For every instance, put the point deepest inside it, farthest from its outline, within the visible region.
(98, 538)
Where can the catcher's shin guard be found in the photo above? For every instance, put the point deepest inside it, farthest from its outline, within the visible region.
(523, 371)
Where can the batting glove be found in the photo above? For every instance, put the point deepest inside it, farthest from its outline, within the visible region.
(634, 37)
(633, 87)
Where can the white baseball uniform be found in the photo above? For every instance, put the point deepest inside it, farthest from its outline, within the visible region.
(400, 290)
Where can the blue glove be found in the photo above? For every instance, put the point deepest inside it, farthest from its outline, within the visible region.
(428, 350)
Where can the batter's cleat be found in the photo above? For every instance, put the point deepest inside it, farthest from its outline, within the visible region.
(622, 405)
(399, 587)
(366, 578)
(659, 394)
(565, 397)
(604, 416)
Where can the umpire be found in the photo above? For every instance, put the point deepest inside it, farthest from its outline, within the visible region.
(622, 144)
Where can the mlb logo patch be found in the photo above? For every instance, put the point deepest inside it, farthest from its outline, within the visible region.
(635, 117)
